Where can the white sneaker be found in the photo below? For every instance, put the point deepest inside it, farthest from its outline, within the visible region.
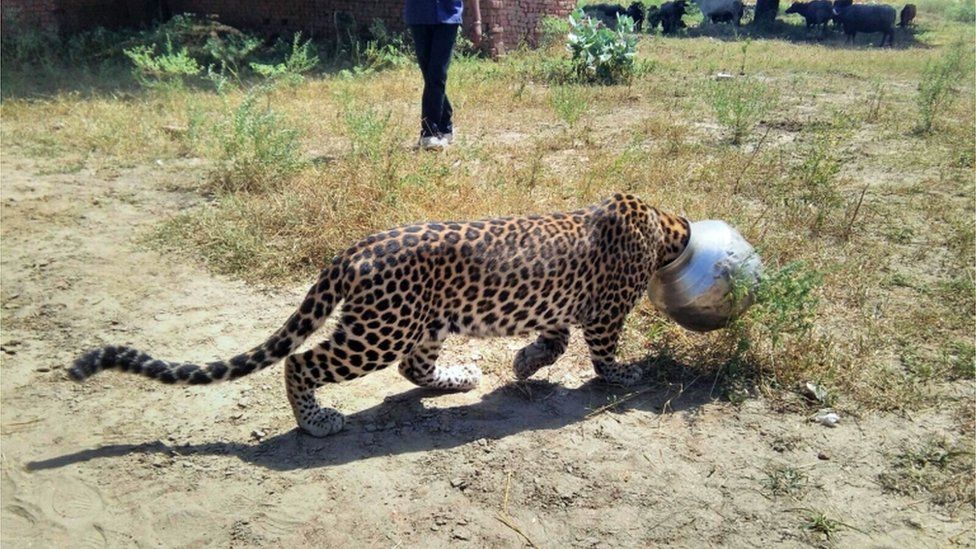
(433, 143)
(448, 137)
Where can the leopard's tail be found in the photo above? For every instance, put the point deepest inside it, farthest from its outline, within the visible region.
(310, 316)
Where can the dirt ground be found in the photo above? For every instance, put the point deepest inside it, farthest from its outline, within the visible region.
(123, 461)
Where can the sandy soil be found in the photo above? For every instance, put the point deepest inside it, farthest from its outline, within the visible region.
(123, 461)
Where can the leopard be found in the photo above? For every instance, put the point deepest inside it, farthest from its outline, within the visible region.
(398, 294)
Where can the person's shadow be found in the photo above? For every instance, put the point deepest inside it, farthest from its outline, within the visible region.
(403, 424)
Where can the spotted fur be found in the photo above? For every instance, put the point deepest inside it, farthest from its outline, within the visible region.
(404, 290)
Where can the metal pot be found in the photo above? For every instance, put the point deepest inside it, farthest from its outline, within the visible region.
(694, 290)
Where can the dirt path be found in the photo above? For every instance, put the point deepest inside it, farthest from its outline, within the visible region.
(121, 461)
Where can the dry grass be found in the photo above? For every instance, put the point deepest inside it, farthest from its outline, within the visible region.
(833, 176)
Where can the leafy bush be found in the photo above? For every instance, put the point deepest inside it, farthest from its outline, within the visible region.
(963, 11)
(739, 104)
(936, 86)
(384, 50)
(166, 70)
(568, 102)
(552, 30)
(601, 54)
(258, 151)
(786, 301)
(230, 51)
(815, 181)
(299, 60)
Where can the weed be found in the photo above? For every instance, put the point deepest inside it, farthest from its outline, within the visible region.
(814, 181)
(935, 89)
(935, 466)
(875, 101)
(786, 301)
(552, 31)
(739, 104)
(960, 360)
(258, 150)
(366, 128)
(600, 54)
(568, 102)
(818, 521)
(299, 60)
(231, 51)
(167, 70)
(784, 480)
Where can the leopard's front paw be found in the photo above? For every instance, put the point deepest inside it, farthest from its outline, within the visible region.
(322, 422)
(532, 357)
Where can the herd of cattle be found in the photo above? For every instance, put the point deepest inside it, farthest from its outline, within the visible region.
(853, 18)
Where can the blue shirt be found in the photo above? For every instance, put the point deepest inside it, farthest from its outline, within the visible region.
(432, 12)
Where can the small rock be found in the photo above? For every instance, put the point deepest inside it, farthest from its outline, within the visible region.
(440, 521)
(827, 418)
(434, 527)
(823, 456)
(723, 76)
(43, 369)
(244, 402)
(815, 392)
(461, 533)
(258, 434)
(458, 483)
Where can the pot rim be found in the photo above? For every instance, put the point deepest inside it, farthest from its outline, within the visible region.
(685, 256)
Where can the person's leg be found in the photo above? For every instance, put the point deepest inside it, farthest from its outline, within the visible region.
(423, 42)
(441, 51)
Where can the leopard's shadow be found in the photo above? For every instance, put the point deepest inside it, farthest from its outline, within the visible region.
(403, 424)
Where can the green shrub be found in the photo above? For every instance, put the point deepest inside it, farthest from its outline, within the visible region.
(601, 54)
(739, 104)
(385, 50)
(935, 90)
(291, 71)
(814, 181)
(963, 11)
(568, 102)
(258, 151)
(552, 30)
(167, 70)
(231, 51)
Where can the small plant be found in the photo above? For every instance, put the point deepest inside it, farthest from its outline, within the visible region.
(875, 101)
(167, 70)
(367, 128)
(934, 466)
(601, 54)
(231, 51)
(299, 60)
(963, 11)
(552, 30)
(815, 180)
(739, 104)
(386, 49)
(568, 102)
(935, 90)
(786, 300)
(257, 150)
(818, 521)
(784, 480)
(960, 360)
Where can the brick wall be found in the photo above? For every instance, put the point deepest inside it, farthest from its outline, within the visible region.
(319, 18)
(69, 16)
(510, 23)
(506, 23)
